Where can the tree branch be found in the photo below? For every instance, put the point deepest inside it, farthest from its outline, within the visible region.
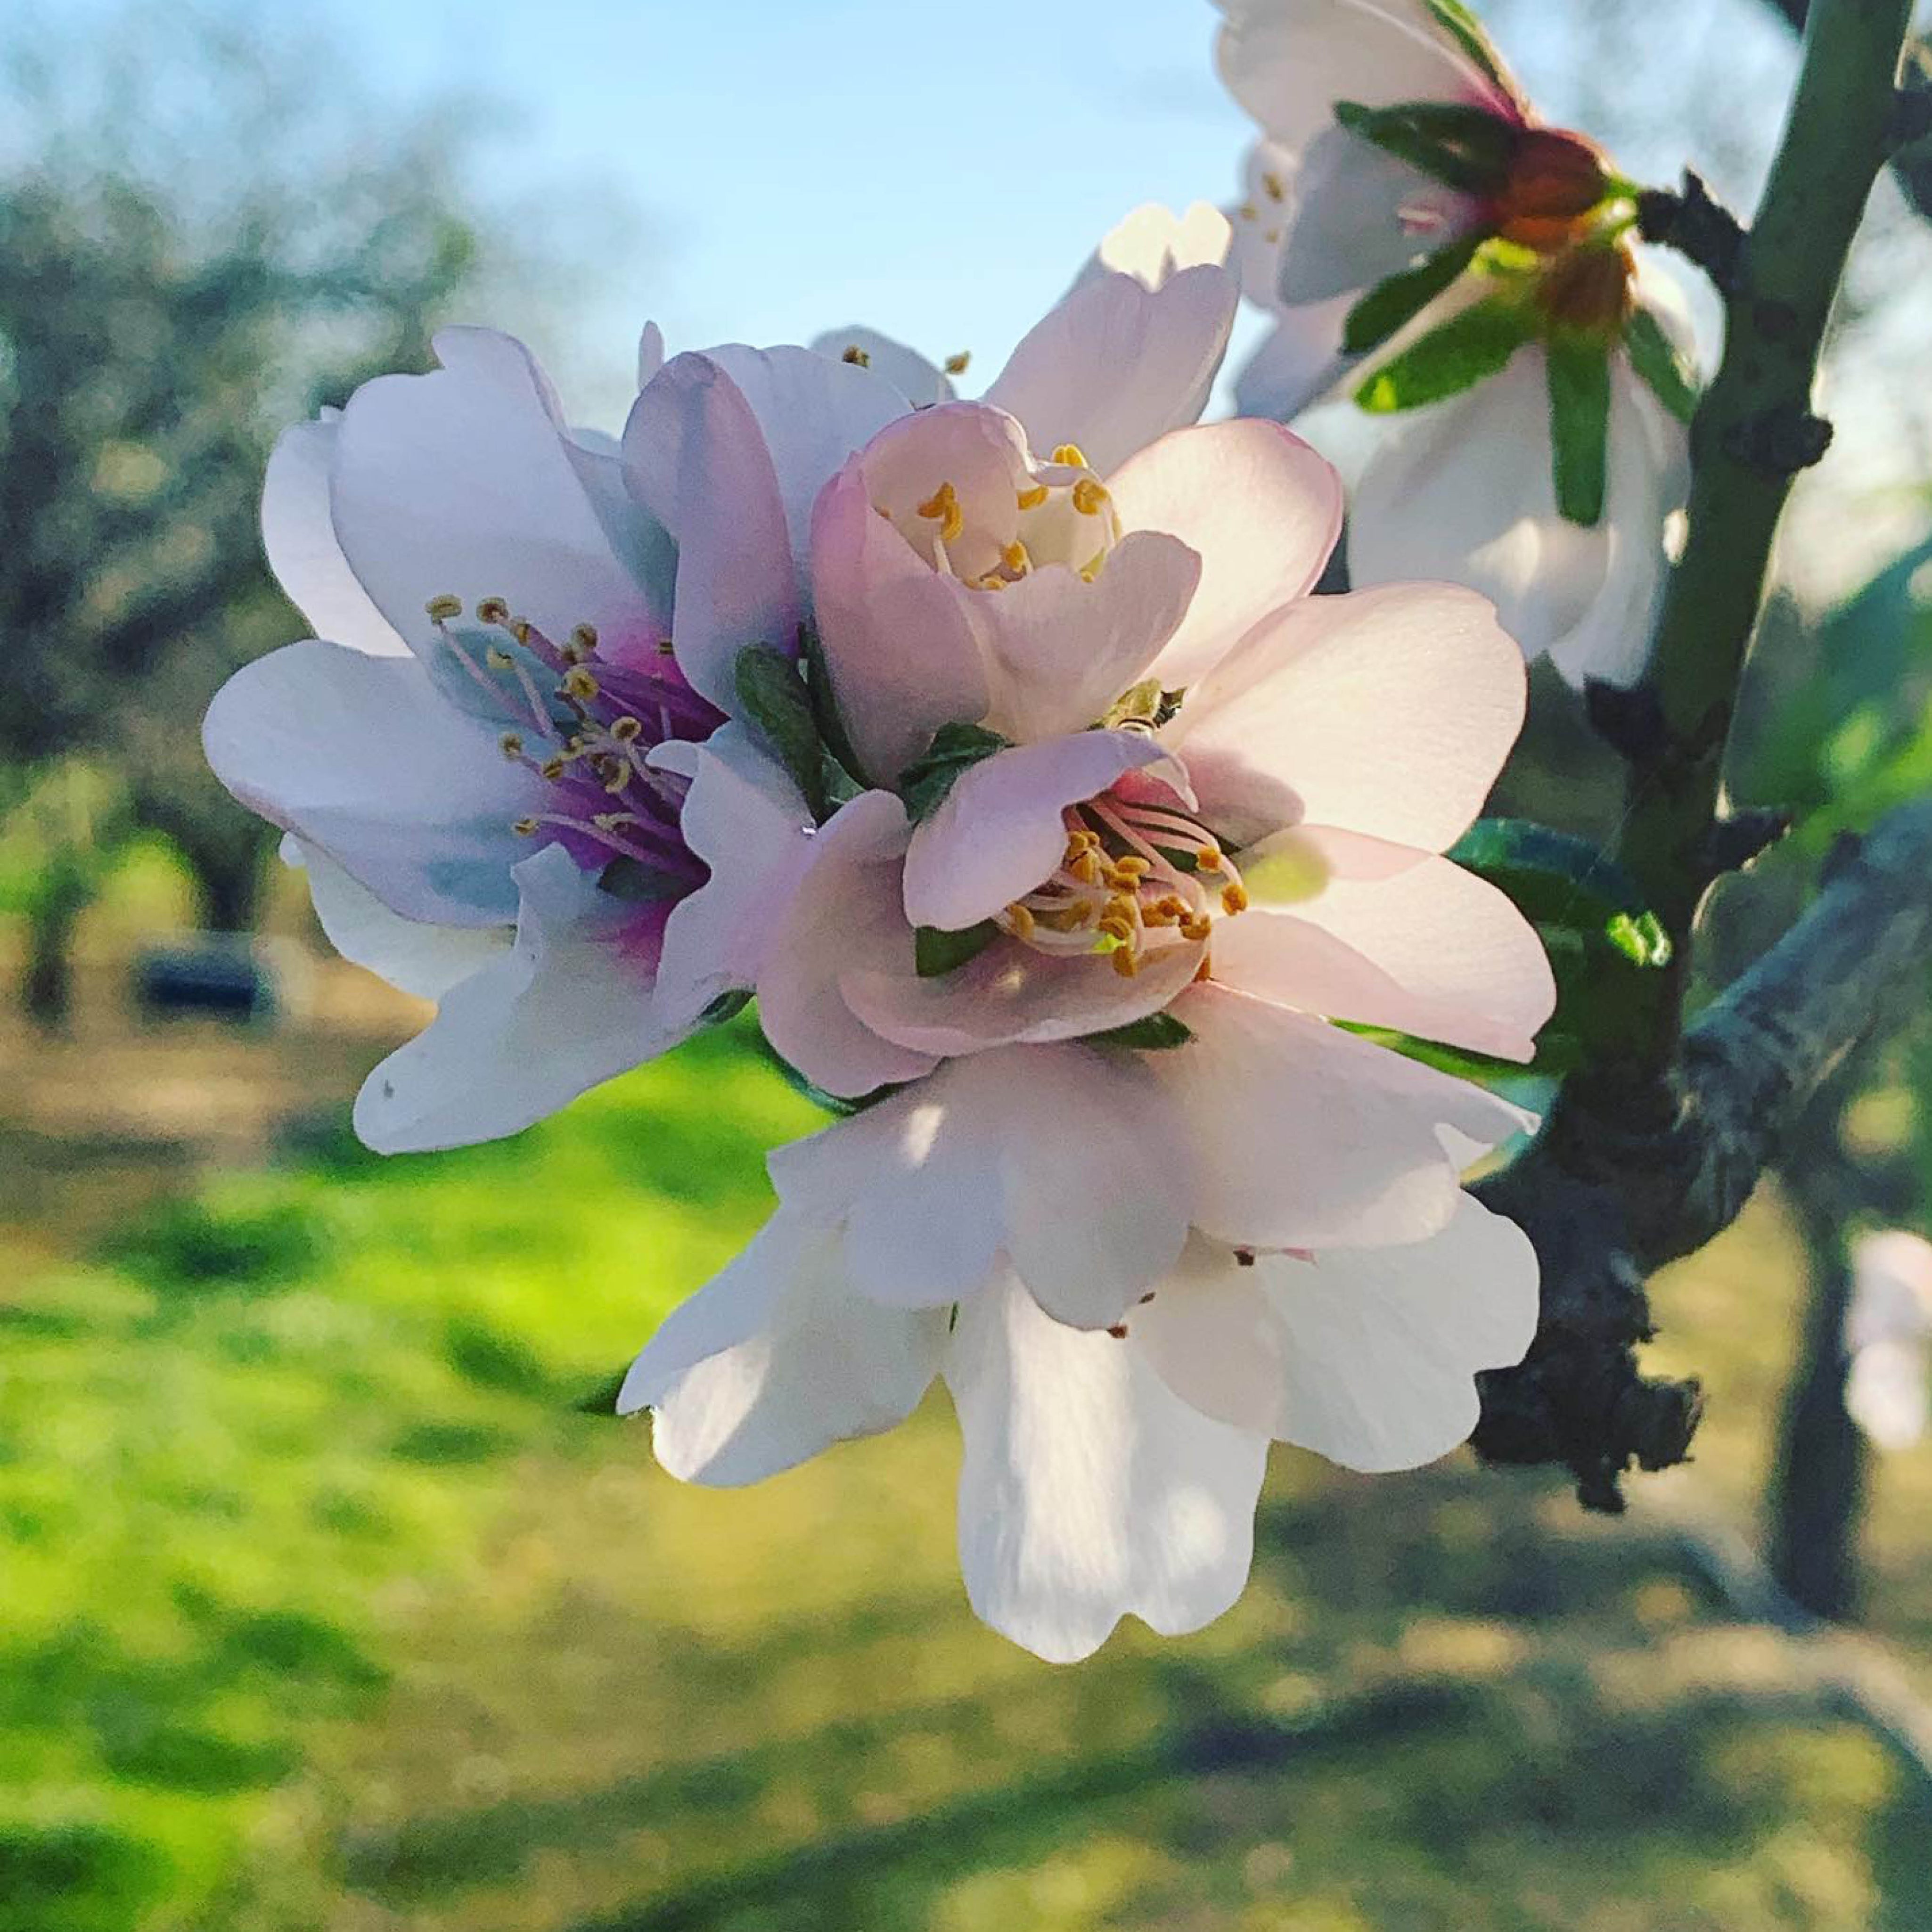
(1656, 1142)
(1604, 1208)
(1911, 163)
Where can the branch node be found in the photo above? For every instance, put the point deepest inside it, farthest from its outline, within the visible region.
(1736, 841)
(1698, 226)
(1778, 442)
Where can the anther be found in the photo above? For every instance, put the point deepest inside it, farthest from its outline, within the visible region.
(521, 629)
(553, 769)
(584, 636)
(1272, 185)
(1127, 962)
(1073, 456)
(665, 647)
(444, 607)
(1028, 499)
(493, 610)
(627, 729)
(525, 828)
(1249, 211)
(1020, 921)
(510, 745)
(992, 580)
(1233, 899)
(579, 683)
(1088, 495)
(1196, 929)
(956, 365)
(857, 356)
(498, 660)
(1133, 867)
(1208, 858)
(1016, 558)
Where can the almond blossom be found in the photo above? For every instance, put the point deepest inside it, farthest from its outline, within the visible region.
(1404, 204)
(501, 759)
(1143, 818)
(1889, 1337)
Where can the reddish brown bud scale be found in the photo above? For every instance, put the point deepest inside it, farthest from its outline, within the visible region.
(1555, 179)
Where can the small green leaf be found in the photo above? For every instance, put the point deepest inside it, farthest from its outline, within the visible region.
(926, 783)
(1580, 424)
(1466, 148)
(1390, 304)
(1155, 1034)
(1469, 346)
(937, 951)
(1656, 358)
(1469, 33)
(1642, 940)
(1555, 879)
(772, 691)
(726, 1006)
(825, 703)
(1181, 861)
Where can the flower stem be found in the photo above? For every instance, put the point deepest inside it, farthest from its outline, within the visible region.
(1753, 431)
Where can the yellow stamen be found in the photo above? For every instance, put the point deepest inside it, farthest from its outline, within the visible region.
(498, 660)
(553, 769)
(992, 580)
(1127, 962)
(956, 365)
(1029, 499)
(1016, 558)
(1249, 211)
(511, 745)
(580, 684)
(520, 628)
(857, 357)
(1088, 495)
(1272, 184)
(493, 610)
(1019, 921)
(1091, 568)
(1133, 867)
(525, 828)
(1196, 929)
(444, 607)
(626, 730)
(1086, 868)
(1208, 858)
(942, 507)
(1234, 899)
(665, 647)
(584, 636)
(1073, 456)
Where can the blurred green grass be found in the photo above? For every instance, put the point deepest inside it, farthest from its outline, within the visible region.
(330, 1604)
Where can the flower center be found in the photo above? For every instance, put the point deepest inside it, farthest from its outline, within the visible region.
(1137, 877)
(991, 533)
(585, 726)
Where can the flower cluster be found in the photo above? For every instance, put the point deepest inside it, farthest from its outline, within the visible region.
(1070, 843)
(1407, 221)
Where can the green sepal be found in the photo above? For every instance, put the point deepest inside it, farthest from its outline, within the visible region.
(1153, 1033)
(1402, 298)
(1554, 878)
(936, 951)
(1579, 369)
(1477, 342)
(773, 694)
(1465, 148)
(1656, 359)
(1642, 940)
(726, 1006)
(1470, 34)
(825, 704)
(926, 783)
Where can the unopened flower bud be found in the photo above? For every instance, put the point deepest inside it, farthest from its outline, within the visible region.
(1554, 178)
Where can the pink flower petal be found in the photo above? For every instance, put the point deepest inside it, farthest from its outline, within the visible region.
(1262, 508)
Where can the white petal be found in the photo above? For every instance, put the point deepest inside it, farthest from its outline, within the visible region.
(299, 533)
(465, 482)
(1886, 1392)
(1462, 490)
(1368, 1356)
(745, 819)
(1387, 711)
(424, 960)
(1089, 1492)
(776, 1359)
(1304, 1136)
(1394, 938)
(1262, 509)
(1116, 364)
(920, 381)
(1060, 1158)
(363, 758)
(843, 912)
(568, 1006)
(1296, 364)
(1153, 243)
(1891, 1289)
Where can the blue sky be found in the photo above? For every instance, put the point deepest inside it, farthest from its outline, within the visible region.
(938, 170)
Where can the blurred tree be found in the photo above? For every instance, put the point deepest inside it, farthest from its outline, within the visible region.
(198, 243)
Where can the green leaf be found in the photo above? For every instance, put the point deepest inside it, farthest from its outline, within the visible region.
(925, 784)
(726, 1006)
(1580, 424)
(772, 693)
(825, 704)
(1466, 148)
(1655, 358)
(1469, 346)
(1469, 33)
(1642, 940)
(1402, 298)
(1155, 1034)
(937, 951)
(1555, 879)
